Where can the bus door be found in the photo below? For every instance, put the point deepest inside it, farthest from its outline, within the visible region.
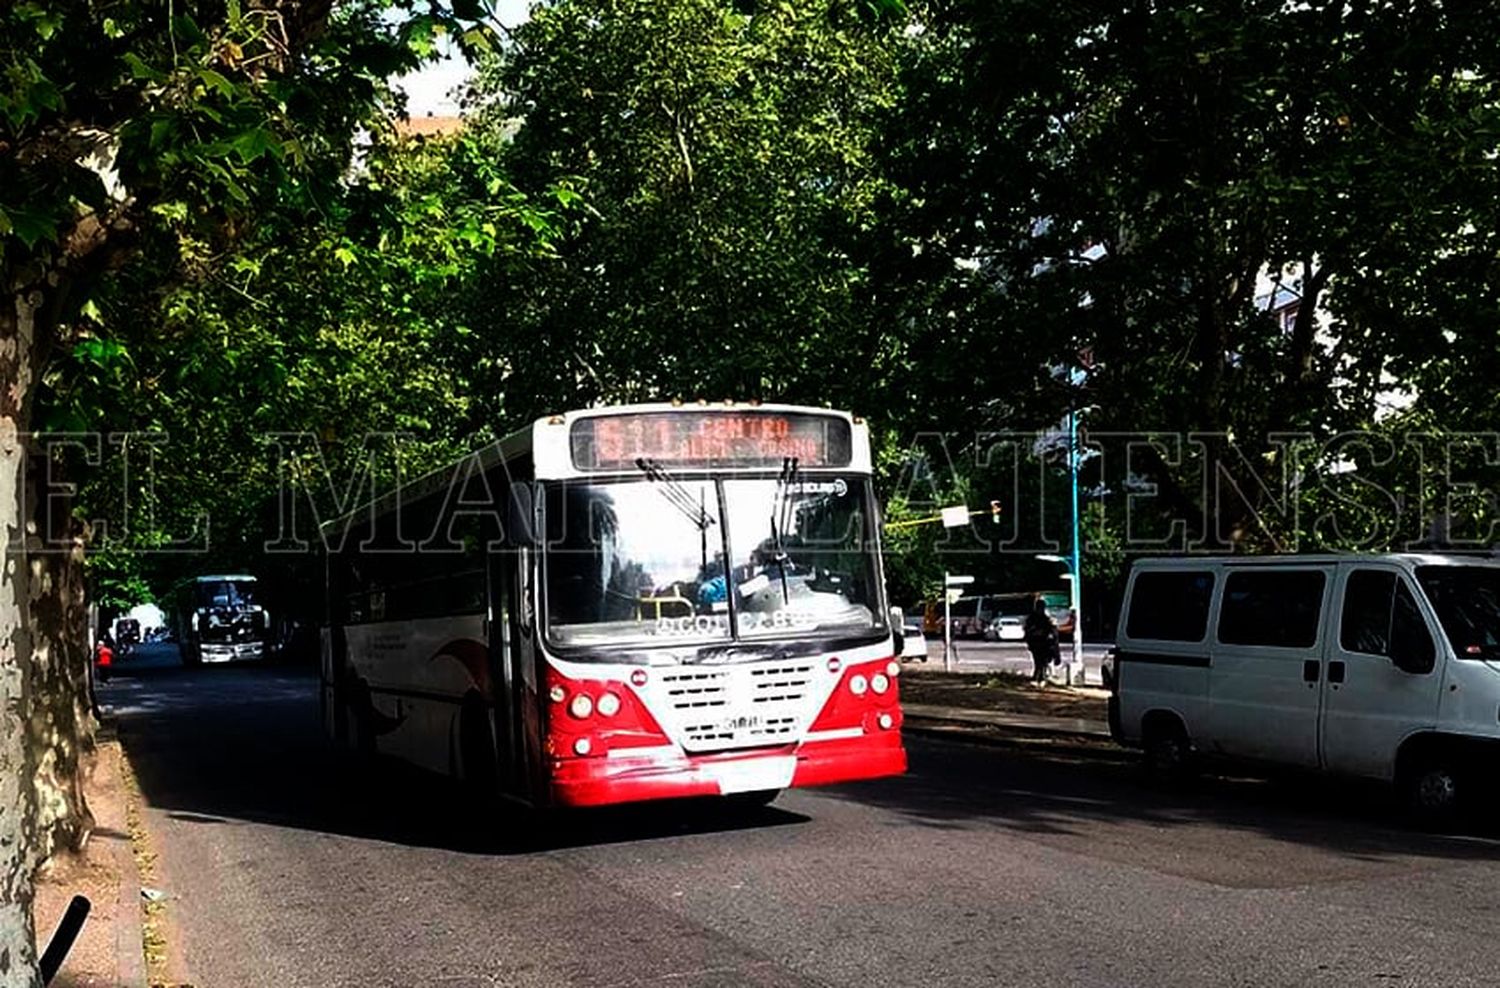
(506, 651)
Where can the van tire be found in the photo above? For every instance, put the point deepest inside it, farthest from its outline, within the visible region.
(1432, 788)
(1167, 747)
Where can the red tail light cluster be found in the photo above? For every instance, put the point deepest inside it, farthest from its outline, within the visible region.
(865, 697)
(590, 717)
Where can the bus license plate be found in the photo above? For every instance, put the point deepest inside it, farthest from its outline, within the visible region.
(754, 775)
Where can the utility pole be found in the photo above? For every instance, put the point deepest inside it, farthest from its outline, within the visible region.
(951, 581)
(1075, 591)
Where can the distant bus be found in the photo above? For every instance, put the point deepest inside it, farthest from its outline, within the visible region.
(624, 604)
(220, 618)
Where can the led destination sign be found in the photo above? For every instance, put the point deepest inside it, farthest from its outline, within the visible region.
(711, 439)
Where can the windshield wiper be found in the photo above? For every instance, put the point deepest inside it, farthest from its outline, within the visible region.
(781, 519)
(673, 490)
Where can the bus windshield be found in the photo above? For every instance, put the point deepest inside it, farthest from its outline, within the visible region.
(225, 593)
(645, 560)
(1467, 602)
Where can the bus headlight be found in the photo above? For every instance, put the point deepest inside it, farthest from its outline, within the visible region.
(558, 694)
(885, 721)
(581, 706)
(893, 668)
(879, 682)
(857, 685)
(609, 705)
(582, 746)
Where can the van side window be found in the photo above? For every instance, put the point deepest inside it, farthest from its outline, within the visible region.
(1271, 608)
(1381, 617)
(1365, 625)
(1410, 638)
(1170, 605)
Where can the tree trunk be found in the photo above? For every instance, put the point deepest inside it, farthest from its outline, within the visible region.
(18, 965)
(61, 723)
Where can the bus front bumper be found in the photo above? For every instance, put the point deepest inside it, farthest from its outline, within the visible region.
(229, 652)
(667, 773)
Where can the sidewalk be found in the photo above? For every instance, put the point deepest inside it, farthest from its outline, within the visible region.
(109, 951)
(1030, 723)
(936, 700)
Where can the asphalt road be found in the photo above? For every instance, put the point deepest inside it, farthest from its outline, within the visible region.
(982, 866)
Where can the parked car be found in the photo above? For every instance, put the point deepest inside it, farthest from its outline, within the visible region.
(1063, 618)
(1373, 666)
(914, 646)
(1006, 628)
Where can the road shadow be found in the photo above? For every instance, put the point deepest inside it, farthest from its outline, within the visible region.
(242, 744)
(1098, 800)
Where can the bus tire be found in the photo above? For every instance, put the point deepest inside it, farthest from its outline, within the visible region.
(476, 748)
(352, 707)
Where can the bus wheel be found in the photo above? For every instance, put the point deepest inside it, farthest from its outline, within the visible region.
(477, 748)
(351, 709)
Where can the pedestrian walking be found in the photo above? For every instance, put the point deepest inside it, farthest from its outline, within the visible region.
(104, 658)
(1041, 639)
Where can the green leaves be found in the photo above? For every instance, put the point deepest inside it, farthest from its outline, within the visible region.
(723, 164)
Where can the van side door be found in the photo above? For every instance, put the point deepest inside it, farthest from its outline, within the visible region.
(1267, 663)
(1382, 679)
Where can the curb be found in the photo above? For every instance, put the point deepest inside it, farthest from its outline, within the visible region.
(1003, 735)
(1081, 727)
(130, 946)
(950, 725)
(1000, 740)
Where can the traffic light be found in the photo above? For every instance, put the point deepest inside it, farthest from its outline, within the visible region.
(995, 512)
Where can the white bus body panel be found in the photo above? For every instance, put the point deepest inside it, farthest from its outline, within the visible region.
(418, 680)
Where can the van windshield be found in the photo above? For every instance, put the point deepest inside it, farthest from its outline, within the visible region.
(1467, 601)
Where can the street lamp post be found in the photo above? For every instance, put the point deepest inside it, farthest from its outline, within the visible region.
(951, 581)
(1075, 592)
(1075, 670)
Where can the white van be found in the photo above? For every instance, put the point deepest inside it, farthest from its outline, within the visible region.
(1379, 666)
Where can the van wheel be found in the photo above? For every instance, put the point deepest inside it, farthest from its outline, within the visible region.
(1433, 790)
(1169, 752)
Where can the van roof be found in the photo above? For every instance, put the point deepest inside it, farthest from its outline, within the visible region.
(1293, 559)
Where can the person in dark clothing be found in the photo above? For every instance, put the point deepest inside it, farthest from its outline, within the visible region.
(1041, 639)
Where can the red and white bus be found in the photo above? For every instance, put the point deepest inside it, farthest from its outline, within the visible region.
(624, 604)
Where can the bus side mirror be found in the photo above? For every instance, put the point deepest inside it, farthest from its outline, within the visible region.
(520, 514)
(898, 630)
